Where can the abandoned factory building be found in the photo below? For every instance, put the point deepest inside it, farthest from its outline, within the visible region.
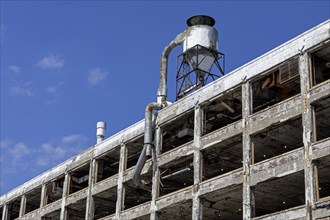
(252, 144)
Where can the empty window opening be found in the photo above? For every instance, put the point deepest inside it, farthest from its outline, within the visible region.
(52, 216)
(277, 139)
(323, 180)
(77, 210)
(108, 164)
(79, 179)
(223, 111)
(279, 194)
(223, 157)
(224, 204)
(281, 83)
(54, 190)
(13, 209)
(1, 211)
(321, 65)
(134, 149)
(322, 118)
(176, 175)
(182, 211)
(33, 200)
(105, 203)
(134, 195)
(178, 132)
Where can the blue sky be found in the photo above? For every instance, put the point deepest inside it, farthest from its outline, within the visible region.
(67, 64)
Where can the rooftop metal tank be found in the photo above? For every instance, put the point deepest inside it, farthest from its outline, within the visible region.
(201, 32)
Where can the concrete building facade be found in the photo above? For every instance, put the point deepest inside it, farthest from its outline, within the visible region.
(254, 144)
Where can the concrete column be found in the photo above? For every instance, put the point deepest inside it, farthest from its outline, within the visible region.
(63, 214)
(197, 207)
(22, 206)
(89, 200)
(120, 187)
(43, 196)
(156, 151)
(248, 194)
(5, 212)
(308, 134)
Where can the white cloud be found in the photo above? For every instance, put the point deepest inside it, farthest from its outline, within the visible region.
(51, 89)
(13, 69)
(20, 150)
(50, 154)
(51, 62)
(59, 152)
(5, 143)
(47, 148)
(96, 76)
(20, 91)
(72, 138)
(18, 156)
(43, 161)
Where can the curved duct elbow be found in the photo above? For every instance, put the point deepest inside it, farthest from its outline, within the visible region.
(148, 143)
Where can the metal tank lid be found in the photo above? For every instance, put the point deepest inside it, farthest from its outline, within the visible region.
(200, 20)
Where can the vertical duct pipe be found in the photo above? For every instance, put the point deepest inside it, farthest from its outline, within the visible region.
(161, 102)
(162, 95)
(162, 89)
(100, 131)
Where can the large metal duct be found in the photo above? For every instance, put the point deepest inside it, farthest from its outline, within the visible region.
(198, 32)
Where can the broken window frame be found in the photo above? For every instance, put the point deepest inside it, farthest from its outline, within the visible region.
(272, 128)
(317, 187)
(311, 61)
(277, 84)
(184, 132)
(27, 199)
(47, 191)
(223, 100)
(315, 120)
(84, 178)
(98, 165)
